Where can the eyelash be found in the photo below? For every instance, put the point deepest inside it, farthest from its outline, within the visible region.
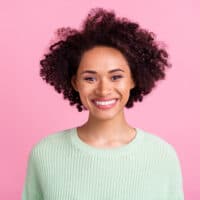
(89, 78)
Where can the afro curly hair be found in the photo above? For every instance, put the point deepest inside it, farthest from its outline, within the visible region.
(146, 59)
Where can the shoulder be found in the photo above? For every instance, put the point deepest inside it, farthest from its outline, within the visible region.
(160, 152)
(158, 146)
(162, 156)
(52, 142)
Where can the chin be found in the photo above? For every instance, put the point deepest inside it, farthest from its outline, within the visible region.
(102, 115)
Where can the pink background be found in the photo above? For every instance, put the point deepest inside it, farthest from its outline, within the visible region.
(31, 109)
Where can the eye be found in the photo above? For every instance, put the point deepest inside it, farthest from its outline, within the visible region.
(117, 77)
(90, 79)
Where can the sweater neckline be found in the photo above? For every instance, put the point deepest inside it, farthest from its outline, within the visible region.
(123, 149)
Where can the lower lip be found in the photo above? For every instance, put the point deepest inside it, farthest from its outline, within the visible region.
(105, 107)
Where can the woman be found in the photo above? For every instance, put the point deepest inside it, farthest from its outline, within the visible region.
(108, 65)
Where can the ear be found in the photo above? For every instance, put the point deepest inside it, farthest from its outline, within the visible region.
(73, 82)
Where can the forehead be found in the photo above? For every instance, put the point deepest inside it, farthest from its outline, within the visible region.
(102, 58)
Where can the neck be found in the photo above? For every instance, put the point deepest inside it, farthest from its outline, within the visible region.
(104, 131)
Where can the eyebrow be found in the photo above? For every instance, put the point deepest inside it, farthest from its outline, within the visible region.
(94, 72)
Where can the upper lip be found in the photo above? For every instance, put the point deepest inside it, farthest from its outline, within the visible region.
(104, 99)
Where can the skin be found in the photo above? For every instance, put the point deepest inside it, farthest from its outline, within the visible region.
(104, 128)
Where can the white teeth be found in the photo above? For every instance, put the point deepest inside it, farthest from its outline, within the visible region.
(105, 102)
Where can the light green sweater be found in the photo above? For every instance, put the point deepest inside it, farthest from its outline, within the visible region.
(63, 167)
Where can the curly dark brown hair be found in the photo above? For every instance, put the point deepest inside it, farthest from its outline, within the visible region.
(146, 58)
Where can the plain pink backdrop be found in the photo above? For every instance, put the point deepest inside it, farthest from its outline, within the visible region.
(31, 109)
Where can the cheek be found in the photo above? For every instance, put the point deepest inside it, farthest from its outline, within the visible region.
(123, 87)
(84, 91)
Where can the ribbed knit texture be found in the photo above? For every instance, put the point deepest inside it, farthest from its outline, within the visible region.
(63, 167)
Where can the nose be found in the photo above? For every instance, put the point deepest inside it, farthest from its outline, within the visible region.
(103, 88)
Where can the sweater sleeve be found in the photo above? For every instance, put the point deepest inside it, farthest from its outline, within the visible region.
(32, 189)
(176, 184)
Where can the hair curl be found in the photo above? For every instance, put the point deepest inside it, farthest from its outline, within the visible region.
(147, 60)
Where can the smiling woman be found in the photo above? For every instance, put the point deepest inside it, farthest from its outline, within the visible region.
(106, 66)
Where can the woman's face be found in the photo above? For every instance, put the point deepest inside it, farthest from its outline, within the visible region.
(103, 81)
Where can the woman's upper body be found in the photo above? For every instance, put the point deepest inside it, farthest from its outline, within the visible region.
(64, 167)
(104, 68)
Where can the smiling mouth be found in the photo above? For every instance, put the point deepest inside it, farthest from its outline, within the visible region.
(105, 104)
